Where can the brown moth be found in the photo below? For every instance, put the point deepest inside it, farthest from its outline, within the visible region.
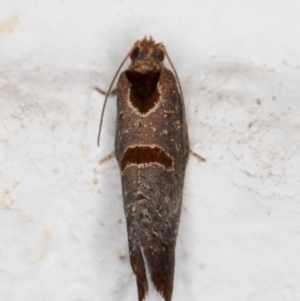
(152, 151)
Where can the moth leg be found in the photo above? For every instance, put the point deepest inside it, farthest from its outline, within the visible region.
(107, 158)
(112, 92)
(198, 157)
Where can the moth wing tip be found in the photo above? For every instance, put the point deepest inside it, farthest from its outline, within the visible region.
(138, 266)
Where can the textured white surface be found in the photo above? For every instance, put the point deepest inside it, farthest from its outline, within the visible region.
(62, 225)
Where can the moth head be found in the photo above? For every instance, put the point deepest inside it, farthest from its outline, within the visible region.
(147, 56)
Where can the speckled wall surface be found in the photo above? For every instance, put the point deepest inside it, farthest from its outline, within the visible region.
(62, 224)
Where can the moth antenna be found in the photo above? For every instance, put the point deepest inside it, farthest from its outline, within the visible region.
(181, 97)
(107, 94)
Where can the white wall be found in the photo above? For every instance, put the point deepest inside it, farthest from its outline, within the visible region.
(62, 226)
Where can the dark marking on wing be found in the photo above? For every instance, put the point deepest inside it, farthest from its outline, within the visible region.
(137, 155)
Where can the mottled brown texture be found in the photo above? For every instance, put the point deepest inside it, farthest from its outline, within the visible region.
(151, 128)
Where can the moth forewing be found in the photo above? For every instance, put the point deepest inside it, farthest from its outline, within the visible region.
(152, 150)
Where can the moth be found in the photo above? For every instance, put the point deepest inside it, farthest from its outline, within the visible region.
(152, 150)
